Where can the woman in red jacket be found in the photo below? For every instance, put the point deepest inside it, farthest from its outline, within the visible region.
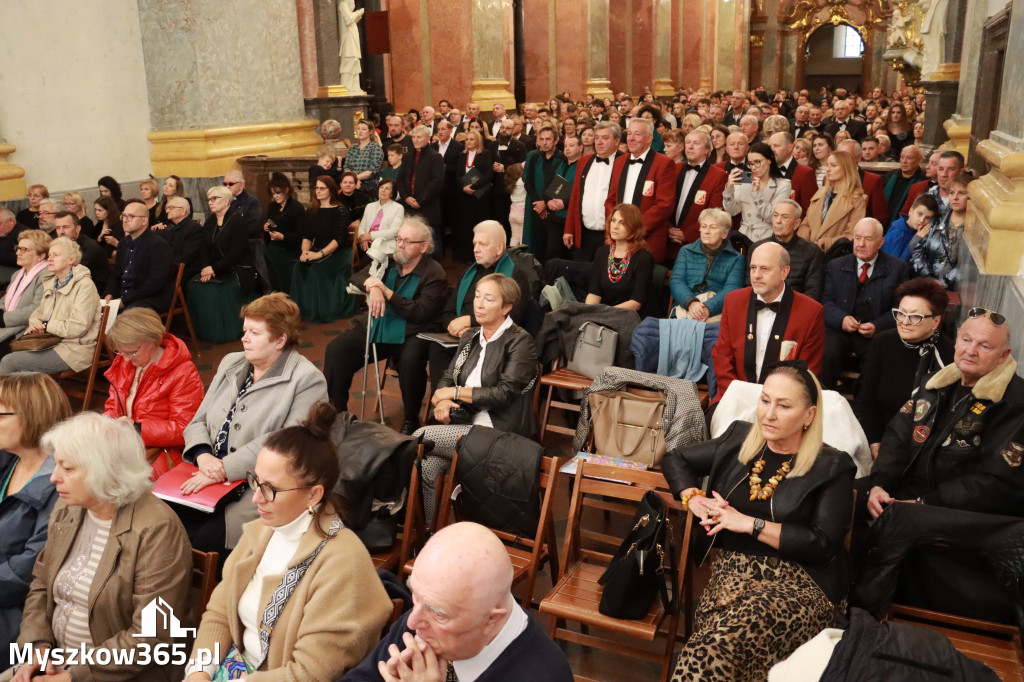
(154, 383)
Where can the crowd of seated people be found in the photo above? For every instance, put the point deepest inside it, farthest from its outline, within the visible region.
(796, 282)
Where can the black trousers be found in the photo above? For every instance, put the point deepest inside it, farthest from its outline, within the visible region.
(344, 357)
(547, 238)
(590, 242)
(838, 345)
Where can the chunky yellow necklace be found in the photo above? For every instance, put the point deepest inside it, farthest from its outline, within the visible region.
(759, 492)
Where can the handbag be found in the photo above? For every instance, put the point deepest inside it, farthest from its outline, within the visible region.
(40, 341)
(627, 425)
(636, 573)
(595, 349)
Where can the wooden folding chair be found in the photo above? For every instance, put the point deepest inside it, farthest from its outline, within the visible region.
(101, 359)
(577, 594)
(178, 305)
(559, 377)
(527, 554)
(390, 371)
(204, 579)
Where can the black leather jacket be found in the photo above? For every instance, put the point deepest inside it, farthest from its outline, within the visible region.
(815, 509)
(508, 377)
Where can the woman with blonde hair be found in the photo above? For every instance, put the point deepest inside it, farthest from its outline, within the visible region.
(153, 383)
(29, 216)
(149, 191)
(471, 208)
(777, 505)
(837, 207)
(365, 157)
(75, 203)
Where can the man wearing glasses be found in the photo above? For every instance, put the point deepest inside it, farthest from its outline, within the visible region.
(143, 275)
(408, 298)
(245, 203)
(185, 236)
(47, 216)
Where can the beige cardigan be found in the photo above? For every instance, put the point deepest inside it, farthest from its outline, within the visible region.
(843, 215)
(73, 313)
(332, 621)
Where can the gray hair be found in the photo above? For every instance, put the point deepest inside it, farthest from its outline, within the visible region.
(610, 125)
(879, 228)
(235, 175)
(109, 451)
(723, 219)
(493, 228)
(71, 249)
(220, 192)
(6, 214)
(49, 200)
(648, 125)
(421, 225)
(775, 124)
(798, 210)
(421, 130)
(705, 136)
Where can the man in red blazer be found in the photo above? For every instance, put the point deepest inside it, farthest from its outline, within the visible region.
(874, 190)
(699, 185)
(585, 219)
(647, 180)
(766, 322)
(801, 177)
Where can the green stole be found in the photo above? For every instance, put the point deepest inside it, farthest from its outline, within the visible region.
(391, 327)
(505, 266)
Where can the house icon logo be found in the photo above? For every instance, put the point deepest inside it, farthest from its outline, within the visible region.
(159, 609)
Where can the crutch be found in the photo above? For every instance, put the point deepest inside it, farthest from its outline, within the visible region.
(376, 369)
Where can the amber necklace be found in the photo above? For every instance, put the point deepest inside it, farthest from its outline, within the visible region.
(759, 492)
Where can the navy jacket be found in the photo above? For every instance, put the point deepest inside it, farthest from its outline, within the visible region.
(24, 517)
(152, 273)
(841, 289)
(248, 206)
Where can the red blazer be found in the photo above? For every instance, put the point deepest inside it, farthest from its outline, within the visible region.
(875, 192)
(711, 182)
(655, 194)
(574, 216)
(801, 319)
(805, 184)
(912, 194)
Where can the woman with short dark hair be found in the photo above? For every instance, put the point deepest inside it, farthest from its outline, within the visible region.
(621, 274)
(283, 229)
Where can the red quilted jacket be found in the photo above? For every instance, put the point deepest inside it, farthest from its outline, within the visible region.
(167, 398)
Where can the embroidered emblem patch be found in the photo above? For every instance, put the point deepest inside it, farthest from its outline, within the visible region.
(648, 188)
(921, 433)
(700, 198)
(921, 409)
(1013, 454)
(908, 407)
(978, 408)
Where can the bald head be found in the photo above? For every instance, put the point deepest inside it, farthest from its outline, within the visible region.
(851, 147)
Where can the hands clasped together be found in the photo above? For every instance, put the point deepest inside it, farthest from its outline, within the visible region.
(716, 514)
(416, 663)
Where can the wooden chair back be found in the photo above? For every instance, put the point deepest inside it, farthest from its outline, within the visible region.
(413, 533)
(178, 305)
(204, 579)
(101, 359)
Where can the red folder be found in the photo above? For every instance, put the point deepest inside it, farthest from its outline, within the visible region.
(168, 488)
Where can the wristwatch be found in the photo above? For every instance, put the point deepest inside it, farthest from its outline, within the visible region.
(758, 527)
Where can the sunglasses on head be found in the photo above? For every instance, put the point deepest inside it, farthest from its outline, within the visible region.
(997, 318)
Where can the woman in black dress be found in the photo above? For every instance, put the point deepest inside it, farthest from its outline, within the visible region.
(901, 359)
(283, 229)
(29, 217)
(109, 231)
(621, 274)
(325, 263)
(109, 187)
(471, 209)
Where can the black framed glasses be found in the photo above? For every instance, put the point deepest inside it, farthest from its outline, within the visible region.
(912, 319)
(268, 491)
(7, 414)
(998, 319)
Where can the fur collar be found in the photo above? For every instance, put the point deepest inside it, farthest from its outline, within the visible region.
(989, 387)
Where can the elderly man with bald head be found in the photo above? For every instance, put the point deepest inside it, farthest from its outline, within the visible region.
(465, 624)
(184, 235)
(858, 298)
(766, 322)
(245, 204)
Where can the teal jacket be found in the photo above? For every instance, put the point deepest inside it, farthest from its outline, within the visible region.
(725, 275)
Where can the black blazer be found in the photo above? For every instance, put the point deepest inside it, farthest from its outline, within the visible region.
(841, 289)
(152, 275)
(815, 509)
(483, 162)
(225, 246)
(858, 129)
(429, 176)
(451, 160)
(188, 245)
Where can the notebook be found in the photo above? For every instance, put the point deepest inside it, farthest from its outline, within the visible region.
(168, 488)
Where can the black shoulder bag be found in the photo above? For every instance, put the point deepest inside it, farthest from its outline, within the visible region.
(636, 574)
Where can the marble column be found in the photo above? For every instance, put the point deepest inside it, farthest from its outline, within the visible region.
(663, 49)
(490, 52)
(958, 126)
(707, 46)
(224, 81)
(598, 83)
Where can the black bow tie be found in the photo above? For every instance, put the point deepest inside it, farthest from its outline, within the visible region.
(774, 306)
(600, 160)
(636, 161)
(691, 167)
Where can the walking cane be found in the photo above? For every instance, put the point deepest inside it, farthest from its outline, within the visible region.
(376, 369)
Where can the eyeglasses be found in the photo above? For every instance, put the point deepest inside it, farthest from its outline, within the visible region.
(756, 163)
(128, 356)
(128, 217)
(997, 318)
(213, 199)
(7, 414)
(911, 319)
(401, 242)
(231, 184)
(268, 491)
(47, 213)
(22, 249)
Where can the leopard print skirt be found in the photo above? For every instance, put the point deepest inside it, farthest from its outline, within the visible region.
(754, 613)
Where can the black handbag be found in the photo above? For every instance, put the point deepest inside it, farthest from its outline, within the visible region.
(636, 574)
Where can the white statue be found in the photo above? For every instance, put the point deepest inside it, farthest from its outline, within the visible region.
(933, 35)
(897, 26)
(348, 38)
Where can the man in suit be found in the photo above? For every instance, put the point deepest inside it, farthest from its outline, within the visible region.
(897, 183)
(699, 185)
(806, 260)
(529, 119)
(843, 121)
(545, 216)
(766, 322)
(750, 125)
(465, 623)
(585, 220)
(801, 122)
(738, 106)
(93, 255)
(736, 148)
(428, 119)
(143, 275)
(499, 115)
(245, 204)
(185, 236)
(421, 183)
(801, 177)
(931, 171)
(872, 183)
(858, 299)
(449, 148)
(646, 179)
